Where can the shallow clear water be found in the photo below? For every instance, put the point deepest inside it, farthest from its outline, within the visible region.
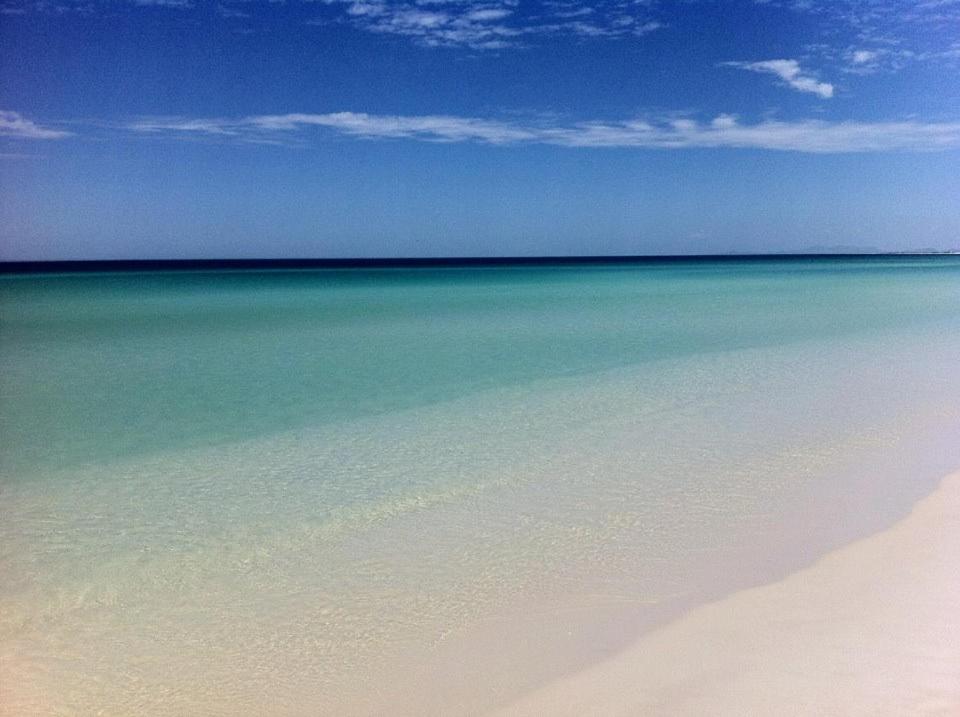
(427, 490)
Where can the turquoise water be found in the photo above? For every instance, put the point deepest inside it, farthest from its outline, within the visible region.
(271, 491)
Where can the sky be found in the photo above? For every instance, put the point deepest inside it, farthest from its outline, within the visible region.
(364, 128)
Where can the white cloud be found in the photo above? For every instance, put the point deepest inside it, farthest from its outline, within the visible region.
(491, 24)
(789, 71)
(440, 128)
(165, 3)
(861, 61)
(187, 126)
(898, 32)
(724, 131)
(650, 26)
(13, 124)
(472, 24)
(487, 14)
(432, 22)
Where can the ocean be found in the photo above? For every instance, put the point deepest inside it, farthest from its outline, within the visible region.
(429, 490)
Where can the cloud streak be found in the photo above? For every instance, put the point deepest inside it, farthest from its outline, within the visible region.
(790, 72)
(13, 124)
(492, 24)
(723, 131)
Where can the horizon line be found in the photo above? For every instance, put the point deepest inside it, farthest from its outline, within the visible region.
(133, 265)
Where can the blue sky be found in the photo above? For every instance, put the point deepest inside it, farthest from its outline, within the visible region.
(259, 128)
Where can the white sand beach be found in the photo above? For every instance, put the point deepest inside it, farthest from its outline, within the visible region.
(870, 629)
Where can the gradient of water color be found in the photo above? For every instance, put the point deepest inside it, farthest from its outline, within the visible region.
(425, 491)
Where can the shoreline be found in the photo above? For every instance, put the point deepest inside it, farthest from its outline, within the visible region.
(869, 629)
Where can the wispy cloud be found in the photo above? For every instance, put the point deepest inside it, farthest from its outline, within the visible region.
(492, 24)
(13, 124)
(430, 23)
(863, 57)
(861, 61)
(876, 16)
(868, 36)
(723, 131)
(164, 3)
(790, 72)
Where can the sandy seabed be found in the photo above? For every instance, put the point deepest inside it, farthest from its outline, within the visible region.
(870, 629)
